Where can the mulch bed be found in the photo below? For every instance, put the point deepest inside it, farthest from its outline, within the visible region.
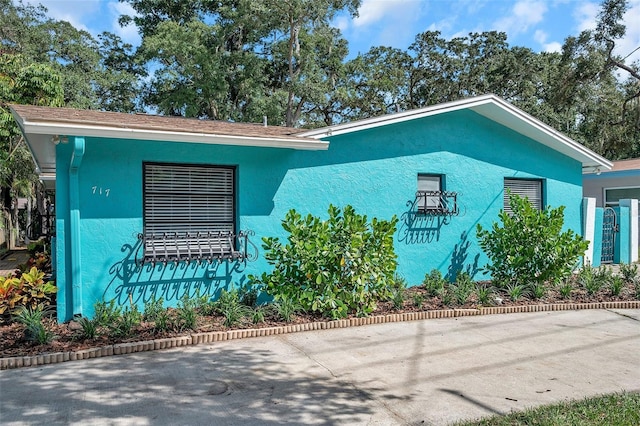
(67, 335)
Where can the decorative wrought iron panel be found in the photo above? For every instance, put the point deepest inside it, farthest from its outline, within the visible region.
(609, 229)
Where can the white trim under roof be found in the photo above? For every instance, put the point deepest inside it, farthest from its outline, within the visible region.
(491, 107)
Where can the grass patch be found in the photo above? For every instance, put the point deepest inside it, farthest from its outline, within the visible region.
(620, 409)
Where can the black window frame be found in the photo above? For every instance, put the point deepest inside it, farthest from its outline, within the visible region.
(185, 227)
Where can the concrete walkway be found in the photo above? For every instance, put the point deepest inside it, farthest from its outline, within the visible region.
(10, 261)
(429, 372)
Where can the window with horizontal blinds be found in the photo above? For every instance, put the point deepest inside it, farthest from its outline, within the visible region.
(188, 200)
(525, 188)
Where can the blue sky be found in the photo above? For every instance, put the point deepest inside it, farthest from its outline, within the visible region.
(541, 25)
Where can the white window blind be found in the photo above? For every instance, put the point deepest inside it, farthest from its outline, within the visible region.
(188, 203)
(525, 188)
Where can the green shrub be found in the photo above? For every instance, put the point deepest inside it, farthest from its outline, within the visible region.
(418, 300)
(89, 328)
(231, 308)
(125, 324)
(616, 285)
(27, 290)
(187, 314)
(286, 308)
(336, 266)
(106, 313)
(628, 271)
(484, 294)
(153, 309)
(434, 283)
(530, 246)
(462, 289)
(32, 319)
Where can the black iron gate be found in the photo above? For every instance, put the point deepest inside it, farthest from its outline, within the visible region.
(609, 229)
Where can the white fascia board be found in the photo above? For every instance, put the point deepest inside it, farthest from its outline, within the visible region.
(370, 123)
(67, 129)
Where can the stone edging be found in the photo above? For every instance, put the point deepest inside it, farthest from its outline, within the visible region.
(217, 336)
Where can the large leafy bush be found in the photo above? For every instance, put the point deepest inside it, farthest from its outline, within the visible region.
(27, 290)
(336, 266)
(530, 247)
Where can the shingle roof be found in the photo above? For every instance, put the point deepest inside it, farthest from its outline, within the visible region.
(151, 122)
(630, 164)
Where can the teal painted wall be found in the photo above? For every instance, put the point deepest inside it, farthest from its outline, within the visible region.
(622, 253)
(374, 170)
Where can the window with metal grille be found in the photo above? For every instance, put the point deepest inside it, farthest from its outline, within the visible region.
(189, 210)
(525, 188)
(429, 192)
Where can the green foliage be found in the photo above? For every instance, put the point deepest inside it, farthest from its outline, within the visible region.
(153, 308)
(462, 289)
(397, 298)
(187, 314)
(89, 328)
(32, 318)
(340, 265)
(484, 294)
(593, 280)
(249, 296)
(258, 314)
(538, 290)
(434, 283)
(615, 285)
(565, 289)
(629, 271)
(126, 322)
(106, 313)
(418, 300)
(530, 246)
(516, 291)
(287, 308)
(28, 290)
(231, 308)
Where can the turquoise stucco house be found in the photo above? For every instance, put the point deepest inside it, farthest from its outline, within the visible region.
(149, 205)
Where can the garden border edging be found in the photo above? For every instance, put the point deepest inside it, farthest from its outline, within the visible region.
(217, 336)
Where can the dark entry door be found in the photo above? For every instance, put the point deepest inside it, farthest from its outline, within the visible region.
(609, 229)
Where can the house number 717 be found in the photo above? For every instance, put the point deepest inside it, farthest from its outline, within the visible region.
(97, 190)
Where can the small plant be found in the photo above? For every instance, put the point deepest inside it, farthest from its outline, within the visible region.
(484, 295)
(565, 290)
(257, 315)
(538, 290)
(398, 292)
(636, 287)
(462, 289)
(249, 296)
(591, 279)
(32, 319)
(126, 322)
(447, 297)
(106, 313)
(516, 292)
(434, 283)
(418, 300)
(616, 285)
(153, 308)
(89, 328)
(187, 315)
(628, 271)
(162, 321)
(230, 307)
(286, 309)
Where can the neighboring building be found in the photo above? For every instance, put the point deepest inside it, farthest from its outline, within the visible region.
(149, 205)
(612, 189)
(608, 187)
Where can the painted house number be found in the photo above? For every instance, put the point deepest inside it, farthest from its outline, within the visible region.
(98, 190)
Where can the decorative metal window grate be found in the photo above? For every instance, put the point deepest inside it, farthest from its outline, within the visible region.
(189, 212)
(437, 203)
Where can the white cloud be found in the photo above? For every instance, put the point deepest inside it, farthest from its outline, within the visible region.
(586, 15)
(523, 15)
(128, 33)
(552, 47)
(71, 11)
(540, 36)
(372, 11)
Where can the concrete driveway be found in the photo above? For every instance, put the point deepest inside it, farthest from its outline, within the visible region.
(422, 372)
